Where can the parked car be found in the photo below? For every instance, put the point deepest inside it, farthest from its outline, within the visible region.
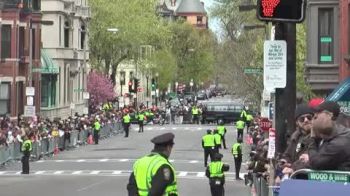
(227, 111)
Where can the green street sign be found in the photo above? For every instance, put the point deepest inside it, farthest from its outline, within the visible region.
(253, 70)
(329, 176)
(78, 90)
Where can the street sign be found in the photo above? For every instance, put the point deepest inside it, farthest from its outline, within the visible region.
(29, 111)
(253, 70)
(30, 100)
(86, 95)
(265, 124)
(30, 91)
(272, 141)
(329, 176)
(275, 64)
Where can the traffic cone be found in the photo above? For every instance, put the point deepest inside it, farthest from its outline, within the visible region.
(56, 150)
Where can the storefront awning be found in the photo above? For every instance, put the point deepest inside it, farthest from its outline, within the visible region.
(48, 66)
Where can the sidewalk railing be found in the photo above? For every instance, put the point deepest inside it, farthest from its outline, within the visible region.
(46, 146)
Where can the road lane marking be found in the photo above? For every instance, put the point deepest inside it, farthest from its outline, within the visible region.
(58, 172)
(40, 161)
(200, 174)
(2, 172)
(77, 172)
(124, 160)
(81, 160)
(182, 174)
(162, 128)
(59, 161)
(194, 161)
(117, 172)
(104, 160)
(39, 172)
(95, 172)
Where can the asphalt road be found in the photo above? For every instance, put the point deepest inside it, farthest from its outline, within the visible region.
(104, 169)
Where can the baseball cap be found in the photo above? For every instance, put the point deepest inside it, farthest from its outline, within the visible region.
(330, 106)
(303, 109)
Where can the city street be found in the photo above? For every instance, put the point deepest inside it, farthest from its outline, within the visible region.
(104, 169)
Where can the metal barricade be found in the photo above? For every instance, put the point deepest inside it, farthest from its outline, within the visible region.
(260, 184)
(4, 155)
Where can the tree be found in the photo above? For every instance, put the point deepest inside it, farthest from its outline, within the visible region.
(100, 88)
(137, 24)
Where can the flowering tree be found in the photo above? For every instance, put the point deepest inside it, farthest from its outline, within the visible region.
(100, 88)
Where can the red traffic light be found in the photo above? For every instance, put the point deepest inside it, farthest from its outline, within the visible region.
(281, 10)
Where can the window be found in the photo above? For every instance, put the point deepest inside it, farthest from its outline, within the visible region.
(4, 98)
(48, 90)
(36, 5)
(122, 78)
(21, 42)
(5, 41)
(33, 44)
(199, 19)
(59, 30)
(325, 36)
(82, 37)
(131, 74)
(66, 34)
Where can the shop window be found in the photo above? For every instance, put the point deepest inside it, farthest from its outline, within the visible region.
(5, 41)
(325, 36)
(4, 98)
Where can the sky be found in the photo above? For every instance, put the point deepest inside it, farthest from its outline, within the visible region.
(213, 24)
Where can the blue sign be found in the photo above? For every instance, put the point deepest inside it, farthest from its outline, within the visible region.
(342, 96)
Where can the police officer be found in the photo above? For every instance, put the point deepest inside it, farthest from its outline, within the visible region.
(215, 173)
(195, 114)
(237, 156)
(249, 121)
(153, 174)
(240, 124)
(217, 137)
(208, 144)
(97, 128)
(141, 118)
(222, 131)
(26, 150)
(126, 123)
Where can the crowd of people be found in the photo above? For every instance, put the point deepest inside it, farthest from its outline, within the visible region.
(320, 142)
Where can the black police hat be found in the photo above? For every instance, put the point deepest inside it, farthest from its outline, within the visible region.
(218, 156)
(164, 139)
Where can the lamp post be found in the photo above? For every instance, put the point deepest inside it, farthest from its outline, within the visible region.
(156, 89)
(191, 84)
(176, 85)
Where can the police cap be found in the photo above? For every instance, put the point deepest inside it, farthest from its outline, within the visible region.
(164, 139)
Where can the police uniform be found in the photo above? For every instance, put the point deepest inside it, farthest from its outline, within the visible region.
(97, 128)
(208, 144)
(141, 118)
(26, 150)
(126, 123)
(222, 131)
(215, 173)
(237, 156)
(217, 138)
(153, 174)
(240, 127)
(195, 115)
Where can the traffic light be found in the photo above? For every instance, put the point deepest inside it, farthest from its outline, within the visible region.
(281, 10)
(130, 86)
(153, 84)
(136, 84)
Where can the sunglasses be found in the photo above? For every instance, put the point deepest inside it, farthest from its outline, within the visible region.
(302, 118)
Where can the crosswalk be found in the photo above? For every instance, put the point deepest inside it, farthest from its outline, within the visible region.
(179, 174)
(188, 127)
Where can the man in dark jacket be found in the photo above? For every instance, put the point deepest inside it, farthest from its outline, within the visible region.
(300, 139)
(329, 148)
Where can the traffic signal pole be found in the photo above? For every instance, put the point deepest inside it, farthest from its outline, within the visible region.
(285, 98)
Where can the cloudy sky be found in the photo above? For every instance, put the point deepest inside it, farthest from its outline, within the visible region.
(213, 24)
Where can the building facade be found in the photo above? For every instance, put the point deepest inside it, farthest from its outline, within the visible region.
(65, 43)
(17, 19)
(191, 10)
(328, 51)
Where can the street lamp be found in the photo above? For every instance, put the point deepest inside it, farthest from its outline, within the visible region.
(191, 84)
(176, 85)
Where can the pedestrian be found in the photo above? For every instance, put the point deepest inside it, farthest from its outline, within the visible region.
(222, 131)
(208, 144)
(126, 124)
(240, 124)
(26, 150)
(141, 118)
(153, 174)
(215, 173)
(195, 114)
(237, 156)
(249, 121)
(97, 128)
(217, 137)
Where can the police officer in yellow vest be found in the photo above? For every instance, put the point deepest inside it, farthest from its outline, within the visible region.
(126, 124)
(240, 124)
(97, 128)
(217, 137)
(215, 173)
(26, 150)
(141, 117)
(237, 156)
(222, 131)
(195, 114)
(153, 174)
(249, 121)
(208, 144)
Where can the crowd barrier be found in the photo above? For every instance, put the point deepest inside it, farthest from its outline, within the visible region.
(46, 146)
(260, 184)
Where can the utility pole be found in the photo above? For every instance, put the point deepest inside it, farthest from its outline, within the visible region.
(285, 98)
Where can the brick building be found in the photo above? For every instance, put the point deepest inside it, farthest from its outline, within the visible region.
(15, 19)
